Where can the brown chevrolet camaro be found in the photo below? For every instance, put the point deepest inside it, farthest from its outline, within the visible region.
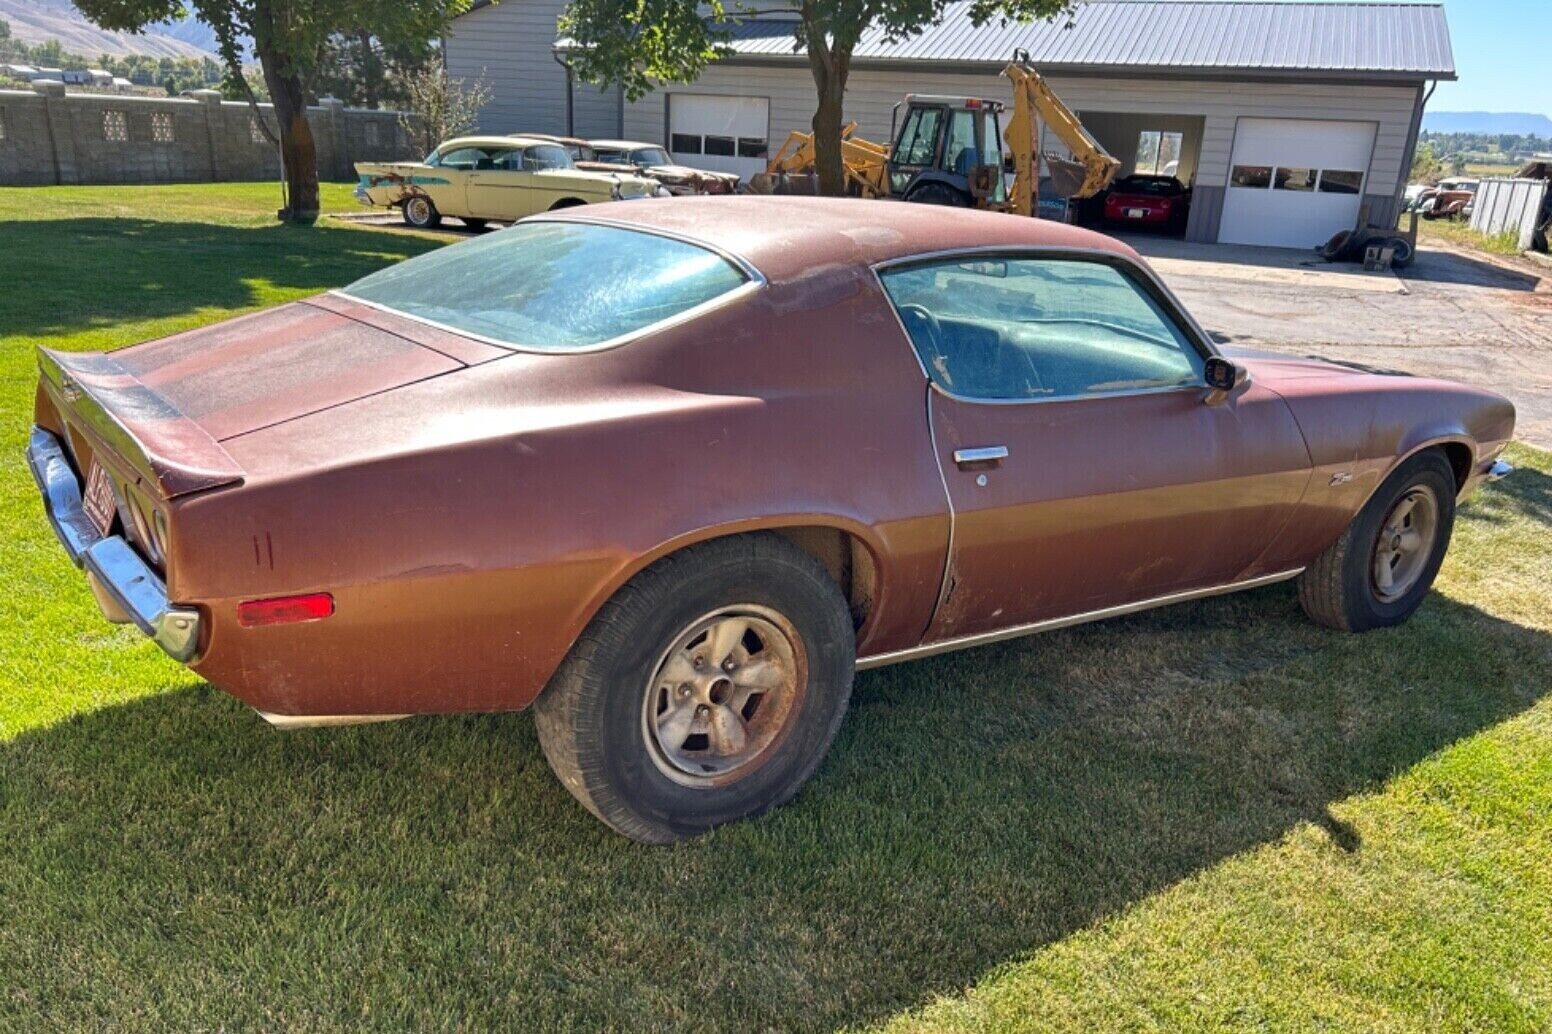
(671, 473)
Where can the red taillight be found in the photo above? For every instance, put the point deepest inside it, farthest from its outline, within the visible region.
(285, 610)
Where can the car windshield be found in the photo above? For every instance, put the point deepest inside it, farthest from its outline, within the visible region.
(546, 156)
(650, 156)
(553, 286)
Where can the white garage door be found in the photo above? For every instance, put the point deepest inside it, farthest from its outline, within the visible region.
(1294, 182)
(725, 134)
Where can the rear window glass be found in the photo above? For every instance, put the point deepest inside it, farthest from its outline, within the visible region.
(553, 286)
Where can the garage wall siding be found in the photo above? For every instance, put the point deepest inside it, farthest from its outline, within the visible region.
(871, 96)
(509, 46)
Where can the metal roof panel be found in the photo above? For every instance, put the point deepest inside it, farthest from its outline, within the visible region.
(1281, 36)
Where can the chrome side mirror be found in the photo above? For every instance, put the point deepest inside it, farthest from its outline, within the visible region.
(1223, 377)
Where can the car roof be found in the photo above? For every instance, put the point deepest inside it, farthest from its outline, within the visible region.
(800, 238)
(623, 143)
(550, 138)
(492, 141)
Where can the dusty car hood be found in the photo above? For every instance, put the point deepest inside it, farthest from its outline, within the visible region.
(254, 371)
(1273, 368)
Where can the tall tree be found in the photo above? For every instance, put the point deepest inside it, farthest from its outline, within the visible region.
(639, 43)
(290, 39)
(368, 72)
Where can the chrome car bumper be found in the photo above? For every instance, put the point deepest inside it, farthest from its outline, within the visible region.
(126, 588)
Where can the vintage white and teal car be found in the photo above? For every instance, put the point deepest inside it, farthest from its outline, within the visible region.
(481, 178)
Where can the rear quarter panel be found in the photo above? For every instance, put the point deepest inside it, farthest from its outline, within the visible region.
(471, 525)
(389, 183)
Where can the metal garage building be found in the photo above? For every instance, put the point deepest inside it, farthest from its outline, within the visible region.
(1284, 117)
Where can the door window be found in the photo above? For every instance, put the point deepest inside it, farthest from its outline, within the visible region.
(1023, 329)
(467, 158)
(959, 153)
(919, 137)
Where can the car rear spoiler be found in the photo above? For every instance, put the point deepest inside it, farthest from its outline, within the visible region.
(171, 450)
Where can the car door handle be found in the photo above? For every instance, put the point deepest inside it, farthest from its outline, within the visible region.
(986, 456)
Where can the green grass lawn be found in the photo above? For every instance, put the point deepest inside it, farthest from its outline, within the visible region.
(1460, 234)
(1214, 817)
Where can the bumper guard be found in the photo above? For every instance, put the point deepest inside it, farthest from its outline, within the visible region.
(126, 588)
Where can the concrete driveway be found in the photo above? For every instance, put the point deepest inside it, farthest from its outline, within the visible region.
(1450, 315)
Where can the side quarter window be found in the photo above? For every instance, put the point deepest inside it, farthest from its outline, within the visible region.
(1025, 329)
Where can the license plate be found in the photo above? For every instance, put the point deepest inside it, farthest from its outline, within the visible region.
(1135, 213)
(100, 504)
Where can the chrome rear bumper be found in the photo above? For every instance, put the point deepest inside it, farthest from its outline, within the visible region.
(126, 588)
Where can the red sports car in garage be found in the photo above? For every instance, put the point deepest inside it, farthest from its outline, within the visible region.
(671, 473)
(1154, 201)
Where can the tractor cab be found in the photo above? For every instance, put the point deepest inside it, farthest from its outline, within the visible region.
(947, 151)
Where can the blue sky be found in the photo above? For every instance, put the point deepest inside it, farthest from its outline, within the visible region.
(1503, 55)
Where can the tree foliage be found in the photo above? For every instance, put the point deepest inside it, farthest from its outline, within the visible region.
(291, 39)
(367, 71)
(438, 107)
(638, 43)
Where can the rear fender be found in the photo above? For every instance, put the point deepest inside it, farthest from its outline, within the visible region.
(849, 526)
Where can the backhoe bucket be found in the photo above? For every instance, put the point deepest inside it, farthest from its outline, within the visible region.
(1066, 176)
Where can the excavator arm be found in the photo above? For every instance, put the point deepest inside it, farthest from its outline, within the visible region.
(1087, 175)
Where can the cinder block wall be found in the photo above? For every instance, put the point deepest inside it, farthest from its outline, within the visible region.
(50, 136)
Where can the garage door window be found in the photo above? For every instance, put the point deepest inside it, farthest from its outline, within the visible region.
(1030, 329)
(1295, 179)
(1337, 181)
(1257, 177)
(718, 133)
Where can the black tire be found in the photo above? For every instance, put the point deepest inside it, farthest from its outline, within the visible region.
(1339, 589)
(421, 213)
(1335, 248)
(567, 202)
(594, 717)
(474, 224)
(938, 194)
(1402, 252)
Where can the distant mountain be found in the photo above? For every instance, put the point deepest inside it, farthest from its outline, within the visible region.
(1518, 123)
(38, 21)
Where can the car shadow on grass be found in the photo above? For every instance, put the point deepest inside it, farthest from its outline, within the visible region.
(175, 862)
(85, 273)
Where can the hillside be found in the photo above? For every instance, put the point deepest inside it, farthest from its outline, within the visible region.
(1514, 123)
(38, 21)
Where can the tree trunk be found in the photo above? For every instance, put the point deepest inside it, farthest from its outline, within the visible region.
(827, 140)
(298, 153)
(371, 70)
(829, 64)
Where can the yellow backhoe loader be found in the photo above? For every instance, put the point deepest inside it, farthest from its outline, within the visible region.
(949, 151)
